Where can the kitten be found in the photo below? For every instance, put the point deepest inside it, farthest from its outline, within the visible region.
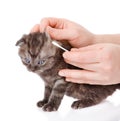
(40, 56)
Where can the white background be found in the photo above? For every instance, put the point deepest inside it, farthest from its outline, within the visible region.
(20, 89)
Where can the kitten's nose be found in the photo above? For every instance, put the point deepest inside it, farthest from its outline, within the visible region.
(32, 68)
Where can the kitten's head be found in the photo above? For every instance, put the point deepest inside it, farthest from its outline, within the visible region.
(37, 52)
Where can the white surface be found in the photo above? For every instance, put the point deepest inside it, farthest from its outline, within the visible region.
(20, 89)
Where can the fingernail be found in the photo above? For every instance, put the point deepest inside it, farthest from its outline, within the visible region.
(61, 73)
(67, 79)
(65, 55)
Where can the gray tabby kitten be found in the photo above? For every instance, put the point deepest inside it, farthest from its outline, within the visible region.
(40, 56)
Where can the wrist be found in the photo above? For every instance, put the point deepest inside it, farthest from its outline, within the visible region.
(107, 38)
(98, 39)
(93, 39)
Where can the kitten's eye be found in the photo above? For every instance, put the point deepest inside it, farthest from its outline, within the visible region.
(42, 62)
(27, 60)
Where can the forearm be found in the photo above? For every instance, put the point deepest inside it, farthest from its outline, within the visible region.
(107, 38)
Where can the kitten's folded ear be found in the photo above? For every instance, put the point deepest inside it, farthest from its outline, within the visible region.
(47, 35)
(21, 41)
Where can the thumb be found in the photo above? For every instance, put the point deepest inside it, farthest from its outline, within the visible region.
(59, 34)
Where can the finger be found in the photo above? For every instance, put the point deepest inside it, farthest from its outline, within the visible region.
(82, 57)
(74, 49)
(73, 80)
(91, 66)
(36, 28)
(52, 22)
(79, 74)
(60, 34)
(91, 82)
(97, 47)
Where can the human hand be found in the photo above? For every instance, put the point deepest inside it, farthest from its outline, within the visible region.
(62, 29)
(101, 63)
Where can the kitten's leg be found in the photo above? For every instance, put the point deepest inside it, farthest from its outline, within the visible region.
(56, 96)
(47, 93)
(83, 103)
(91, 95)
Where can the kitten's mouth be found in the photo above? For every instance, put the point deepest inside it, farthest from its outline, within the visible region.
(35, 70)
(38, 71)
(31, 69)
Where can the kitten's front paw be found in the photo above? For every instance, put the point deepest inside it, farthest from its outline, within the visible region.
(41, 103)
(49, 107)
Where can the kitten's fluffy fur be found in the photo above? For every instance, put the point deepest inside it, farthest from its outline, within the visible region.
(40, 56)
